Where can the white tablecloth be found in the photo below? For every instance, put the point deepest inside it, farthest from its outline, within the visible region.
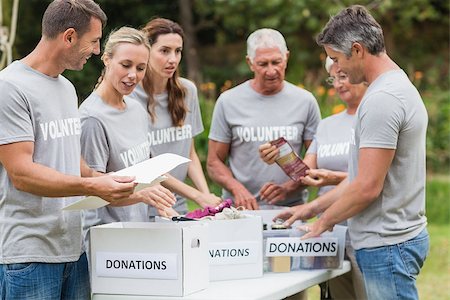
(269, 287)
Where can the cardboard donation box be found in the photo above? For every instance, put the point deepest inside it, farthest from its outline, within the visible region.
(234, 247)
(157, 259)
(285, 251)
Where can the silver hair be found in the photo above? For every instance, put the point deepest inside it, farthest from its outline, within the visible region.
(265, 38)
(350, 25)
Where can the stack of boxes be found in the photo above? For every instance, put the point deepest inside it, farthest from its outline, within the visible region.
(166, 258)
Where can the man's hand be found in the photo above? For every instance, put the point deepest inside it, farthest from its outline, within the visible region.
(273, 193)
(315, 229)
(322, 177)
(301, 212)
(242, 197)
(111, 187)
(268, 153)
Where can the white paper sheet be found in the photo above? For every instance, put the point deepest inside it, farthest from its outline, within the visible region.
(150, 169)
(91, 202)
(147, 173)
(94, 202)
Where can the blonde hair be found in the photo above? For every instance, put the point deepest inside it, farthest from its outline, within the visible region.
(122, 35)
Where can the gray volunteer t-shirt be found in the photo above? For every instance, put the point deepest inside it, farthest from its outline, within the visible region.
(167, 138)
(331, 144)
(112, 140)
(246, 119)
(391, 116)
(41, 109)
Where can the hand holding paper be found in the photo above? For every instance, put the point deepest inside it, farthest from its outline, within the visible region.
(112, 187)
(147, 173)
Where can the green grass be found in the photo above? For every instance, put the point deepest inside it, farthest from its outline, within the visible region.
(433, 282)
(438, 195)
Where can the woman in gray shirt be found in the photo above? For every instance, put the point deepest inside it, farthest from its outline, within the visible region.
(174, 112)
(114, 128)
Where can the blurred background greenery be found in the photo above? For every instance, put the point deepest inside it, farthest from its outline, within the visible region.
(416, 33)
(417, 38)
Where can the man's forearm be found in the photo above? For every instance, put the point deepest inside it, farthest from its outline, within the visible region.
(47, 182)
(323, 202)
(223, 176)
(86, 171)
(352, 200)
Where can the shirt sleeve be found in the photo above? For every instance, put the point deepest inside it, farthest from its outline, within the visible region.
(381, 117)
(94, 144)
(220, 130)
(312, 121)
(197, 124)
(15, 115)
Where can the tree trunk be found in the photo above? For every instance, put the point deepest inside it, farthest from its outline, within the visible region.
(190, 41)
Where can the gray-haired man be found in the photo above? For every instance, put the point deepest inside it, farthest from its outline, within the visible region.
(253, 113)
(384, 197)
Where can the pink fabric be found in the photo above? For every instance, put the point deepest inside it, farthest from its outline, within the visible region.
(209, 211)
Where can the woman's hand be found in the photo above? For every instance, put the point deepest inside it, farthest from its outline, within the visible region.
(207, 199)
(157, 196)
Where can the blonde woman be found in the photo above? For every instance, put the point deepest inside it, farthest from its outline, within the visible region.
(114, 127)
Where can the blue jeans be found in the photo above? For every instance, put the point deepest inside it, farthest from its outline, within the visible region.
(49, 281)
(390, 272)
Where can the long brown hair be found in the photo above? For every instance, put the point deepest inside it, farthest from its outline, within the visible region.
(175, 90)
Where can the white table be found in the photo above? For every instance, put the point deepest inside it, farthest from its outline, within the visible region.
(269, 287)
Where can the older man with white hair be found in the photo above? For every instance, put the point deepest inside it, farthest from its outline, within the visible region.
(257, 111)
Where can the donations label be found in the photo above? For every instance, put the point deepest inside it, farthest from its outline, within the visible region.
(234, 253)
(136, 265)
(294, 246)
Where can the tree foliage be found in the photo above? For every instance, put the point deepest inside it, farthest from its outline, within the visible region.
(416, 34)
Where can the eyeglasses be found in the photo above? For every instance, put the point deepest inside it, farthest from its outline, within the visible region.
(341, 78)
